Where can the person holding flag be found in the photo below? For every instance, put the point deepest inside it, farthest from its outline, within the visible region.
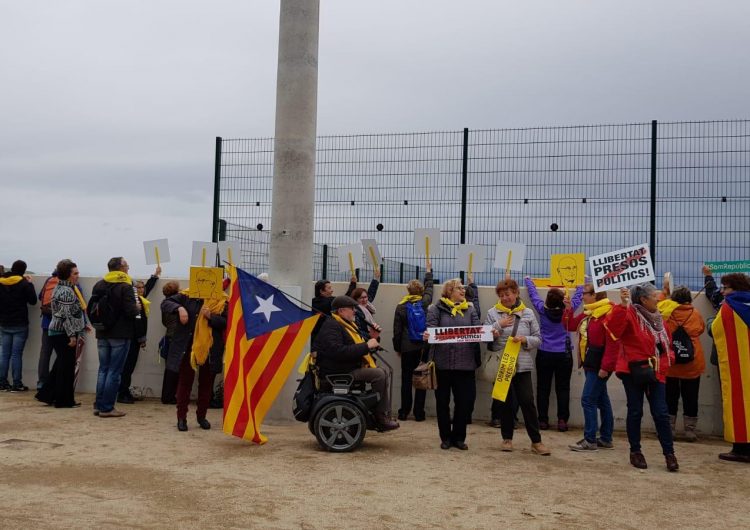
(731, 333)
(341, 349)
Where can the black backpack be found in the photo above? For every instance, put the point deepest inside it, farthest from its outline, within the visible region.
(100, 311)
(304, 397)
(682, 344)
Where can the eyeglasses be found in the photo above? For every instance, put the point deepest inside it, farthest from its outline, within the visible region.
(362, 298)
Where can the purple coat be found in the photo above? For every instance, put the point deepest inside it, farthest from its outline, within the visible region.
(553, 333)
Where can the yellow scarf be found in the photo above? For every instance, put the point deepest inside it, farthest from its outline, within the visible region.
(598, 309)
(454, 307)
(10, 280)
(500, 307)
(117, 277)
(79, 295)
(203, 337)
(356, 337)
(666, 307)
(146, 305)
(410, 298)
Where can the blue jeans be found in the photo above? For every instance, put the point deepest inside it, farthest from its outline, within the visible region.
(596, 399)
(656, 394)
(11, 352)
(112, 355)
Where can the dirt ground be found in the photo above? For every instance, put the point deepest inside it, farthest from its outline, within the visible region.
(65, 468)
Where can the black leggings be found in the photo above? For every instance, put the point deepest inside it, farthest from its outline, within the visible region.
(524, 391)
(688, 389)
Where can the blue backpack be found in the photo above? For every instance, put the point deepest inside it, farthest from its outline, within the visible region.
(416, 321)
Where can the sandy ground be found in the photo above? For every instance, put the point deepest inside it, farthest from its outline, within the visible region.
(70, 469)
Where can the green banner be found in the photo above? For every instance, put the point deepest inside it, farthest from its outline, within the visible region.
(726, 267)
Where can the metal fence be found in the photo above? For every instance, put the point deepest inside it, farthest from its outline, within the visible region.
(682, 187)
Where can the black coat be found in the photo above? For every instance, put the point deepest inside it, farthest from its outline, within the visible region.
(122, 301)
(182, 341)
(14, 301)
(337, 352)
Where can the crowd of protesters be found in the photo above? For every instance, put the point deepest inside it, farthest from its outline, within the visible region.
(650, 341)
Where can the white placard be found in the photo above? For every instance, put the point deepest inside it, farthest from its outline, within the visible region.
(427, 242)
(228, 253)
(204, 254)
(471, 258)
(515, 251)
(621, 268)
(459, 334)
(370, 246)
(157, 251)
(350, 257)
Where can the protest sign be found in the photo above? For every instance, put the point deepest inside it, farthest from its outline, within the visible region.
(470, 258)
(567, 270)
(350, 257)
(447, 335)
(157, 251)
(621, 268)
(727, 267)
(204, 254)
(372, 252)
(510, 256)
(206, 282)
(227, 253)
(427, 242)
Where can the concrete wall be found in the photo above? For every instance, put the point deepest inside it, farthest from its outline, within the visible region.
(150, 369)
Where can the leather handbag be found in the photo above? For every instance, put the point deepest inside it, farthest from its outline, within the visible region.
(424, 376)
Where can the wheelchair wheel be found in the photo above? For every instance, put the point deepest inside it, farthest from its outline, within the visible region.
(340, 427)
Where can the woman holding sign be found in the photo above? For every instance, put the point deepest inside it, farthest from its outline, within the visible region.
(642, 362)
(455, 364)
(518, 337)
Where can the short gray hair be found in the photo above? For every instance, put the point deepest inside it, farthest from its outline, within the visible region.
(641, 290)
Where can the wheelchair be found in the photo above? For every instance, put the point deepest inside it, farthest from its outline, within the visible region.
(343, 409)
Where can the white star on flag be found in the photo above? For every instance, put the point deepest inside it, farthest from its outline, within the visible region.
(266, 307)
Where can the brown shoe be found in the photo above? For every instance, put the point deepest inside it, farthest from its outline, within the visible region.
(507, 446)
(734, 457)
(114, 413)
(638, 460)
(385, 423)
(672, 464)
(540, 449)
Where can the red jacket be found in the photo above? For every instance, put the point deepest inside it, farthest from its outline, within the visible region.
(634, 343)
(596, 333)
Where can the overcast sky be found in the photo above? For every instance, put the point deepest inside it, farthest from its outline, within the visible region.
(109, 109)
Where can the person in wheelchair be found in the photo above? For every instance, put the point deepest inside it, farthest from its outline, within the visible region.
(341, 349)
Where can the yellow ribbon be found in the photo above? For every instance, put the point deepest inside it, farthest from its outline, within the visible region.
(117, 277)
(203, 337)
(506, 370)
(500, 307)
(410, 298)
(79, 295)
(456, 308)
(356, 337)
(146, 305)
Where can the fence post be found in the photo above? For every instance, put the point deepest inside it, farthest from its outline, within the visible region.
(401, 272)
(324, 272)
(217, 188)
(653, 194)
(464, 184)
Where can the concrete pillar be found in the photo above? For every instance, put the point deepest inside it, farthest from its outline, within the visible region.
(293, 200)
(293, 207)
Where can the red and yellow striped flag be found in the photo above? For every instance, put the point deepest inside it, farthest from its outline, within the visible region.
(266, 333)
(732, 338)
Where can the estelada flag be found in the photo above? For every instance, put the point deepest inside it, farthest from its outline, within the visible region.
(265, 335)
(731, 331)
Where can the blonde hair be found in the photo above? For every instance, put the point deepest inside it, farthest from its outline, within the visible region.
(450, 286)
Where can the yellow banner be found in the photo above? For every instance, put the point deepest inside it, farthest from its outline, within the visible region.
(506, 370)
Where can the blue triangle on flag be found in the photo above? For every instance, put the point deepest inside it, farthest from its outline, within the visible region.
(264, 307)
